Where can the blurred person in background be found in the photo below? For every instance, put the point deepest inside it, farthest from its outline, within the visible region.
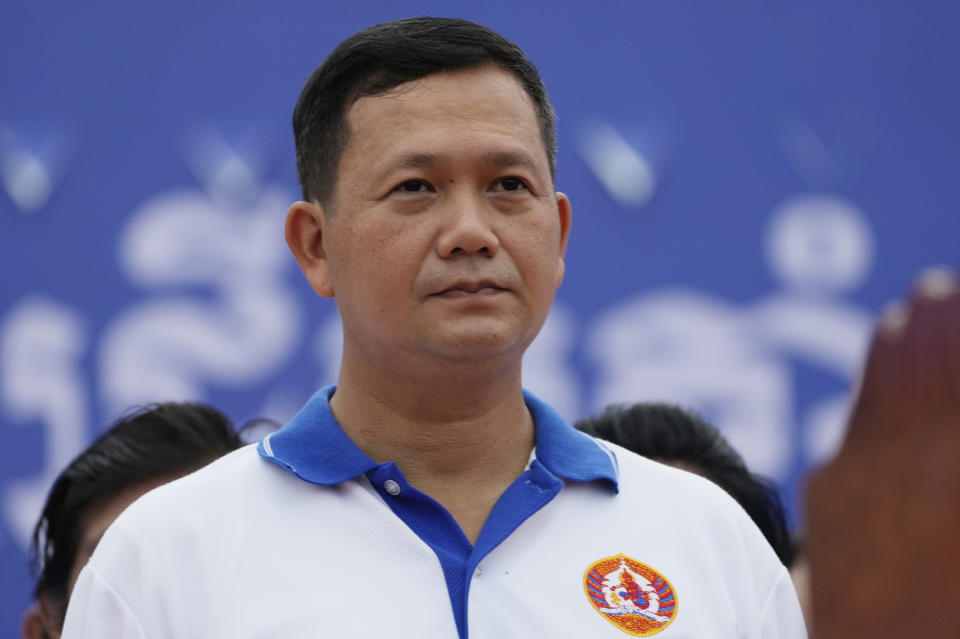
(138, 453)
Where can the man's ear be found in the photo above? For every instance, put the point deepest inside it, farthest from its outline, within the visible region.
(565, 213)
(304, 232)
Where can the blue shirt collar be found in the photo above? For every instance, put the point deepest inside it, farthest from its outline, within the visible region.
(314, 447)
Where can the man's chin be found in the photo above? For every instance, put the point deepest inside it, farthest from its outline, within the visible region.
(478, 344)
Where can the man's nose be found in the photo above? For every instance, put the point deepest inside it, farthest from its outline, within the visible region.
(467, 230)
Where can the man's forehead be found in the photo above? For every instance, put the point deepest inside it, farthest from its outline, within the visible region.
(486, 101)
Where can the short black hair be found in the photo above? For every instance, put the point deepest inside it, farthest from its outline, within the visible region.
(671, 434)
(163, 440)
(383, 57)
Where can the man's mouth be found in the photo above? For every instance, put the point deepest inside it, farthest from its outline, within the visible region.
(466, 289)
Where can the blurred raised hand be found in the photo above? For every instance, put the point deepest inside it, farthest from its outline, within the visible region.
(884, 516)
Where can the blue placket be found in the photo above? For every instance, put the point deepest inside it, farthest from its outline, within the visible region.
(430, 521)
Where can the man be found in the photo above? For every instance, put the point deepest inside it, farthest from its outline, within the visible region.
(426, 495)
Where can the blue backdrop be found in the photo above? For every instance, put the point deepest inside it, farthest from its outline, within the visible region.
(751, 183)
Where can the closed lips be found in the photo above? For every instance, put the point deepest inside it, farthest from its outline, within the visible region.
(471, 288)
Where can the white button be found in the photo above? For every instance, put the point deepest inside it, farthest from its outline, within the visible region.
(392, 487)
(478, 572)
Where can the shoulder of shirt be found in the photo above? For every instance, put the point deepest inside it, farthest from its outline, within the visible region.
(695, 501)
(689, 495)
(219, 487)
(637, 469)
(691, 503)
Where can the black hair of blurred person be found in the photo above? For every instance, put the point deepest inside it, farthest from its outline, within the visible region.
(681, 438)
(382, 57)
(154, 445)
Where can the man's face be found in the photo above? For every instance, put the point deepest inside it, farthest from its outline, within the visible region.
(445, 236)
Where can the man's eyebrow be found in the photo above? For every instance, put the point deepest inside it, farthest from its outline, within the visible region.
(418, 161)
(511, 158)
(493, 158)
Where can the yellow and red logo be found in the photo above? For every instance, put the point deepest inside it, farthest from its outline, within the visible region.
(632, 596)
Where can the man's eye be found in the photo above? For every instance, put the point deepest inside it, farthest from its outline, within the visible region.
(413, 186)
(512, 184)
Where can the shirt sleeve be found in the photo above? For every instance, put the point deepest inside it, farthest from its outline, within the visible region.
(782, 617)
(96, 610)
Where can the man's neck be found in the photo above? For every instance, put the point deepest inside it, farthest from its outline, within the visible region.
(461, 440)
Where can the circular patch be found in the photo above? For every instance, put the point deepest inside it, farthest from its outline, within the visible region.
(631, 595)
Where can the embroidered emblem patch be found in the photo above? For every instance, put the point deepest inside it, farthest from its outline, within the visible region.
(632, 596)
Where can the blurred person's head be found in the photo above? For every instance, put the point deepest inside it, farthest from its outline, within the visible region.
(380, 59)
(138, 453)
(681, 438)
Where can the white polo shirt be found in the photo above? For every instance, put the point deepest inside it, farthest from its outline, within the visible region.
(306, 536)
